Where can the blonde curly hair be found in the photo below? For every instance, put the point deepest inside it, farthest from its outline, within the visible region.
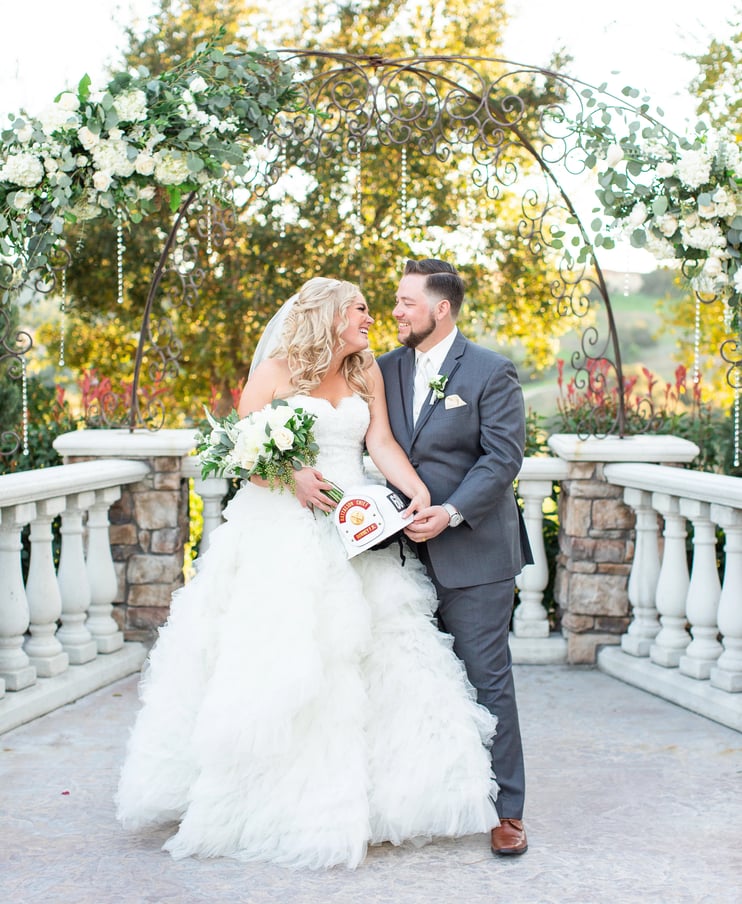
(310, 336)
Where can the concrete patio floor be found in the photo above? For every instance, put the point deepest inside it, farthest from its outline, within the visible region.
(631, 799)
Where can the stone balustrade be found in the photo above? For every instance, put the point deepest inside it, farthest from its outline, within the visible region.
(684, 641)
(58, 639)
(622, 585)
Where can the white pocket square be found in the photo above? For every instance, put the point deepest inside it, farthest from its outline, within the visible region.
(453, 401)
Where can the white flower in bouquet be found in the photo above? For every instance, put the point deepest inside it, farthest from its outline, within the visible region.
(102, 180)
(22, 200)
(638, 214)
(667, 225)
(197, 85)
(144, 163)
(55, 119)
(283, 438)
(112, 156)
(725, 203)
(24, 133)
(22, 169)
(132, 106)
(68, 101)
(171, 168)
(694, 167)
(665, 169)
(279, 416)
(247, 448)
(737, 281)
(88, 138)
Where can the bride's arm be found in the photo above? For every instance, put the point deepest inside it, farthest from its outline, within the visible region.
(269, 381)
(387, 454)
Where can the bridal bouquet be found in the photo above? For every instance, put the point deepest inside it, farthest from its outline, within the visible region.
(271, 443)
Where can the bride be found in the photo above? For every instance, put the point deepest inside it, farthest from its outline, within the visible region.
(298, 706)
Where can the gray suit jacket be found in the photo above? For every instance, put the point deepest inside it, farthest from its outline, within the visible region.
(469, 456)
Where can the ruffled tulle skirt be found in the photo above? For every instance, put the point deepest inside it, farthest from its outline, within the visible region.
(297, 706)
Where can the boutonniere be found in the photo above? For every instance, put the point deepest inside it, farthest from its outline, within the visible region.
(438, 384)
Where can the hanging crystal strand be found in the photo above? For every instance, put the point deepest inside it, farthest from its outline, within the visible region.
(209, 226)
(404, 179)
(63, 312)
(359, 214)
(24, 402)
(626, 275)
(736, 420)
(697, 343)
(120, 248)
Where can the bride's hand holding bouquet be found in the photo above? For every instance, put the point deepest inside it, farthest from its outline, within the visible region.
(275, 444)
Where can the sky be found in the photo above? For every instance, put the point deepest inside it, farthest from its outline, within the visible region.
(47, 45)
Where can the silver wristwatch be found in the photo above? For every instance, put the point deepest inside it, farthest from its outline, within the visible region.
(454, 515)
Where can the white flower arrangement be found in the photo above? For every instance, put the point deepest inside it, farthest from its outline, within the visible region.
(109, 151)
(679, 199)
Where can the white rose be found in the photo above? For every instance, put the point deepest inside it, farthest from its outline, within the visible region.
(24, 134)
(50, 165)
(737, 281)
(707, 211)
(247, 449)
(283, 438)
(102, 180)
(144, 164)
(88, 139)
(665, 170)
(725, 202)
(667, 225)
(613, 155)
(712, 267)
(279, 416)
(197, 85)
(22, 169)
(68, 101)
(638, 214)
(146, 193)
(22, 200)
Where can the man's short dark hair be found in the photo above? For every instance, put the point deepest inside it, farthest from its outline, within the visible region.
(442, 280)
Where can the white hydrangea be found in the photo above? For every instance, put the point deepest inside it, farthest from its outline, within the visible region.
(131, 106)
(56, 118)
(703, 237)
(694, 167)
(22, 169)
(725, 202)
(171, 168)
(659, 248)
(111, 156)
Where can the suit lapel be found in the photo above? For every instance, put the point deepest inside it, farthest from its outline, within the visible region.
(406, 381)
(451, 364)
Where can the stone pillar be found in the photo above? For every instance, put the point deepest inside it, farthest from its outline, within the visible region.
(149, 524)
(597, 534)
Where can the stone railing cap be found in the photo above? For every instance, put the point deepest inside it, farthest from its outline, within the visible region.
(62, 480)
(123, 444)
(657, 449)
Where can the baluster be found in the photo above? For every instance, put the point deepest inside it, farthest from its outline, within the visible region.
(645, 571)
(531, 618)
(212, 491)
(42, 593)
(672, 585)
(727, 672)
(102, 574)
(15, 667)
(704, 589)
(74, 587)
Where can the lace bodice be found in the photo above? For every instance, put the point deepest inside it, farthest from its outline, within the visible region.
(339, 432)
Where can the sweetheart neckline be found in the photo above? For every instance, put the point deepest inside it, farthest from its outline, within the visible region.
(353, 395)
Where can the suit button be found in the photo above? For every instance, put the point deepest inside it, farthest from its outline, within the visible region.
(415, 464)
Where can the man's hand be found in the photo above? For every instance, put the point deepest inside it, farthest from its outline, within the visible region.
(428, 523)
(309, 486)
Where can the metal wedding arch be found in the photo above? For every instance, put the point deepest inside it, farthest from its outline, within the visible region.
(515, 124)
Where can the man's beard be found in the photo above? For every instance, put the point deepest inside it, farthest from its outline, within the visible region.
(414, 339)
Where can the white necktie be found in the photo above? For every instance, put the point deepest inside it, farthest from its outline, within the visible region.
(422, 387)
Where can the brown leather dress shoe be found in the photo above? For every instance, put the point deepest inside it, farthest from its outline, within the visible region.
(509, 837)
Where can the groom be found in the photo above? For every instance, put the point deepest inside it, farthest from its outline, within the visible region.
(457, 410)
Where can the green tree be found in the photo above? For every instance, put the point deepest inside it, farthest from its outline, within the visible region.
(334, 219)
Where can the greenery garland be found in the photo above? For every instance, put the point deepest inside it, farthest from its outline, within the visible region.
(113, 152)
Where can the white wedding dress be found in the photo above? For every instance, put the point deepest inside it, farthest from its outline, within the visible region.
(298, 706)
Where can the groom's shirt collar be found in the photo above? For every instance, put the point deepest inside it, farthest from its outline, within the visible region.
(437, 354)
